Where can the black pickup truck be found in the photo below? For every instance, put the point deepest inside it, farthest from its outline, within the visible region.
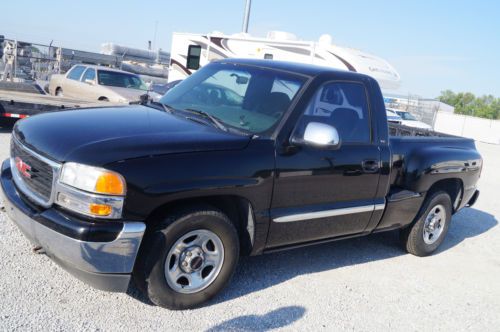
(243, 157)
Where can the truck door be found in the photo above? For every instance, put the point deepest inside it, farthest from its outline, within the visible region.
(319, 192)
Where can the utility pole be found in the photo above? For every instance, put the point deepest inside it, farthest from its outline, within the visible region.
(246, 17)
(154, 37)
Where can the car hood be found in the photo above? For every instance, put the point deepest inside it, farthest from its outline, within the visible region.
(416, 124)
(99, 136)
(126, 93)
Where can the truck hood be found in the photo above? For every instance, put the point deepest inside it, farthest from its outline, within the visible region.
(99, 136)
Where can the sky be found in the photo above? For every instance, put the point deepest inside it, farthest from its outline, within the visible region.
(434, 45)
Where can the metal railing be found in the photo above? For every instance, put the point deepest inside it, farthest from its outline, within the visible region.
(26, 61)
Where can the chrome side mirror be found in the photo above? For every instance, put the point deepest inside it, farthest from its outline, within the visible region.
(320, 135)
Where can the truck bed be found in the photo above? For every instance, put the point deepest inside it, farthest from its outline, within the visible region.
(396, 130)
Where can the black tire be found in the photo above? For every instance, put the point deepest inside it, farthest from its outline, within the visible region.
(412, 237)
(103, 99)
(149, 272)
(59, 92)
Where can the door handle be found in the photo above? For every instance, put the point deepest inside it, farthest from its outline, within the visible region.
(370, 166)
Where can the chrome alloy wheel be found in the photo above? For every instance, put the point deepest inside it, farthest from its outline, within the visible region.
(194, 261)
(434, 224)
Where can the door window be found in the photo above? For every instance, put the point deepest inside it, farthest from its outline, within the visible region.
(343, 105)
(76, 73)
(89, 75)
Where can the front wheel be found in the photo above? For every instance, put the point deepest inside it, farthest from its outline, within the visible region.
(188, 258)
(429, 229)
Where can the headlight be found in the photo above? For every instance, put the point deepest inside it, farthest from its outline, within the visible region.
(92, 179)
(91, 191)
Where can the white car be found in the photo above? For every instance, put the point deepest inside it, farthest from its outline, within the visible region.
(392, 117)
(93, 83)
(409, 120)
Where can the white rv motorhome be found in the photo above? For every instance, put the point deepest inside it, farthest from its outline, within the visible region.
(192, 51)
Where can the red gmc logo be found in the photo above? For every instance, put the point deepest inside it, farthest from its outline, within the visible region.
(22, 167)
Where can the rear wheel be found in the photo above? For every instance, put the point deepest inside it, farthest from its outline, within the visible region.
(59, 92)
(429, 229)
(188, 258)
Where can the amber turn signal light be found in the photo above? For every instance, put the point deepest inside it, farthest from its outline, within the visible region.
(110, 183)
(100, 209)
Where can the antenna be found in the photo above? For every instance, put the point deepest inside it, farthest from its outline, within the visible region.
(246, 17)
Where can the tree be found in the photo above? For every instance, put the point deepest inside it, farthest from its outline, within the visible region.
(467, 103)
(448, 97)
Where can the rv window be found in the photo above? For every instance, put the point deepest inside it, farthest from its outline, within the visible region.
(268, 56)
(193, 58)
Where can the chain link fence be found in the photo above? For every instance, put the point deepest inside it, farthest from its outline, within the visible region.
(424, 109)
(22, 61)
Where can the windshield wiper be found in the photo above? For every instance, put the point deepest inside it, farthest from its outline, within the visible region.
(157, 106)
(209, 116)
(167, 108)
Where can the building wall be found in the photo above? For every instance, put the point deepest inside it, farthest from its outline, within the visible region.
(482, 130)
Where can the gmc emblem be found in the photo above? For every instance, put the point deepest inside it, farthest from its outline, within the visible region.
(23, 168)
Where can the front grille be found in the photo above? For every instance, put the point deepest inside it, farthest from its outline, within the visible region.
(41, 174)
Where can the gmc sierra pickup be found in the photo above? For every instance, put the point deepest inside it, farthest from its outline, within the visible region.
(241, 158)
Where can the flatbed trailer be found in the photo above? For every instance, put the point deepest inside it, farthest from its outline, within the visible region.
(16, 104)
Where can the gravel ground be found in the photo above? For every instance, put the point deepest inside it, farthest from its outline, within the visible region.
(361, 284)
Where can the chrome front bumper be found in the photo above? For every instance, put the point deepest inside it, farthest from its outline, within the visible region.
(105, 265)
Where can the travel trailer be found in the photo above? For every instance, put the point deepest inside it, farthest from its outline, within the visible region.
(192, 51)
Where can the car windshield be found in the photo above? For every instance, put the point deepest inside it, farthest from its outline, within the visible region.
(121, 80)
(247, 98)
(407, 116)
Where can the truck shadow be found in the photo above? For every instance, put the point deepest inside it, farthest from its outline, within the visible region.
(272, 320)
(467, 223)
(260, 272)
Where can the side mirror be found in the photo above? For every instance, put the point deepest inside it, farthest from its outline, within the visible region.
(319, 135)
(89, 81)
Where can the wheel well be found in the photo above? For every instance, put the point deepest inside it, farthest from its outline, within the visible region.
(102, 98)
(238, 209)
(454, 188)
(58, 89)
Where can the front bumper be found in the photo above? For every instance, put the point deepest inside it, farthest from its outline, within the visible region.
(101, 254)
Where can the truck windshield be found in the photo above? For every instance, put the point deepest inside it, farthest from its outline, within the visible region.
(247, 98)
(121, 80)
